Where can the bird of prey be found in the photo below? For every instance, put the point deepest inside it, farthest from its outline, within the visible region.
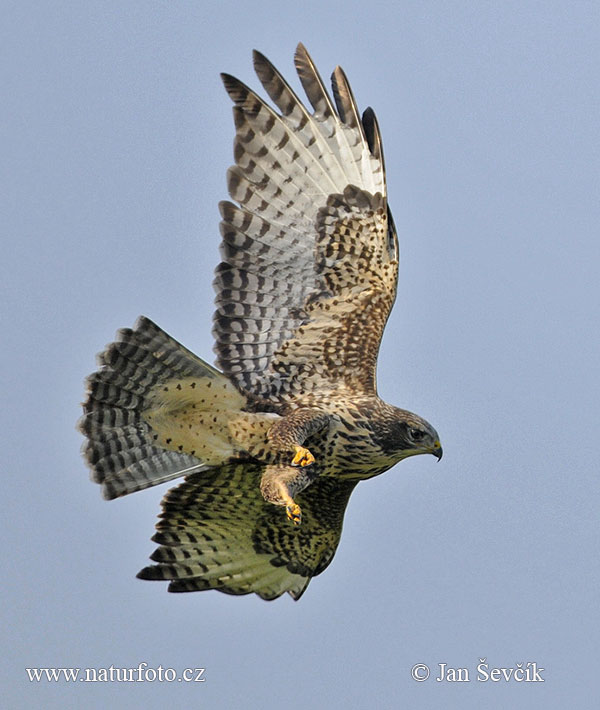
(273, 442)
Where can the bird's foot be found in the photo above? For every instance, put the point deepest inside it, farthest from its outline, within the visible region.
(294, 513)
(302, 457)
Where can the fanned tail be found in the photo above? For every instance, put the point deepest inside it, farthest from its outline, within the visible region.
(146, 376)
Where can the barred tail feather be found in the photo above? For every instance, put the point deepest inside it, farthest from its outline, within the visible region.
(128, 401)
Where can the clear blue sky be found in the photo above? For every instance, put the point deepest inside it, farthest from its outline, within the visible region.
(117, 137)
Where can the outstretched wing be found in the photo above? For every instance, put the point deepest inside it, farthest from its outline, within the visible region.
(217, 532)
(310, 255)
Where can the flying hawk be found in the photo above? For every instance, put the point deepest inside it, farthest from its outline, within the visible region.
(273, 442)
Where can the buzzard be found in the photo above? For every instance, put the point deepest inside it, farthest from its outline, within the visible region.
(273, 442)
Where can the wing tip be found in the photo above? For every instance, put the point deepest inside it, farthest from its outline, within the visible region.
(344, 100)
(237, 90)
(372, 133)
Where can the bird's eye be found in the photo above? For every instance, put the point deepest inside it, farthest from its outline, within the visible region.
(416, 434)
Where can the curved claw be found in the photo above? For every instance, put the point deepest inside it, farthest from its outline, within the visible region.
(302, 457)
(294, 513)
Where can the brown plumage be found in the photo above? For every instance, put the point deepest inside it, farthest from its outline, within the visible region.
(291, 417)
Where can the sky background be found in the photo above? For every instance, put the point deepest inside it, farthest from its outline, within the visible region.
(117, 134)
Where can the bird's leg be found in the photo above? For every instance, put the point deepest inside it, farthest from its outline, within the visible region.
(280, 483)
(292, 430)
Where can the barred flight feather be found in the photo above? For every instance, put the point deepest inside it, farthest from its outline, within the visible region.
(216, 533)
(312, 198)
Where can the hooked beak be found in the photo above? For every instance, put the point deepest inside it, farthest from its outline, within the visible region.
(437, 450)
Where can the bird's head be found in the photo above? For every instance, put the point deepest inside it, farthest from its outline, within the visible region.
(407, 434)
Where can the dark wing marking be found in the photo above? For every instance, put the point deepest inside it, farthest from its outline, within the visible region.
(217, 532)
(310, 258)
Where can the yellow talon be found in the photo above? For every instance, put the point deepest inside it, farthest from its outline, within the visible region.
(294, 513)
(303, 457)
